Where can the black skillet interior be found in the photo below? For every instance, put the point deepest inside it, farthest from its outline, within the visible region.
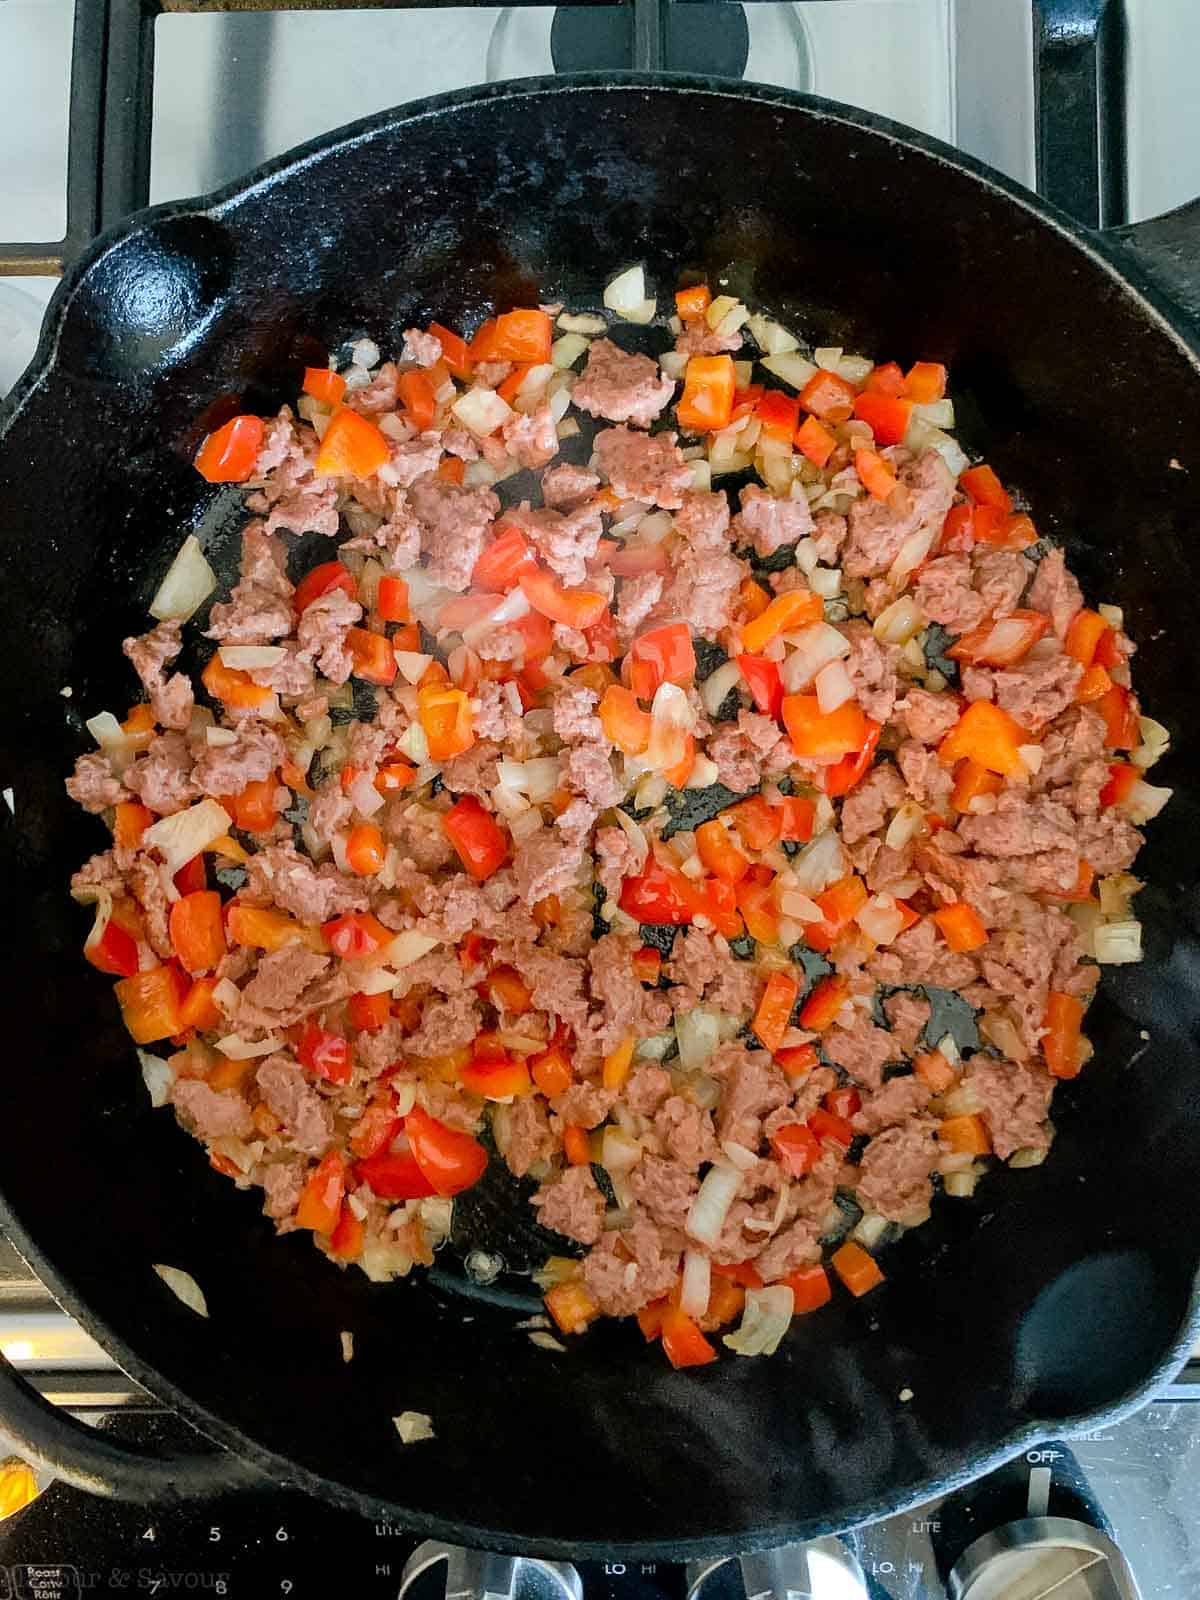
(1051, 1294)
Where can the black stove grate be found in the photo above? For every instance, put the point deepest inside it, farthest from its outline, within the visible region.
(1079, 62)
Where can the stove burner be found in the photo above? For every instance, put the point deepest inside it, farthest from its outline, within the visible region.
(710, 39)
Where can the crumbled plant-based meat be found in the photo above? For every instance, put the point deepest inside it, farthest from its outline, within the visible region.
(494, 880)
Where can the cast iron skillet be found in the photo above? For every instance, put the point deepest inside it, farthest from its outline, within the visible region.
(1053, 1298)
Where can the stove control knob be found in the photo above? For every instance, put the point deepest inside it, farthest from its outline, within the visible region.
(478, 1575)
(821, 1569)
(1042, 1557)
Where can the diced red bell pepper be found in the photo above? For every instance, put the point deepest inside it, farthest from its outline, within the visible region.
(624, 722)
(774, 1013)
(647, 964)
(373, 655)
(499, 568)
(1121, 779)
(369, 1012)
(792, 609)
(1120, 712)
(797, 1060)
(325, 1054)
(779, 414)
(393, 776)
(706, 404)
(376, 1129)
(455, 352)
(765, 683)
(797, 818)
(352, 447)
(886, 379)
(958, 530)
(796, 1147)
(150, 1003)
(823, 1004)
(887, 415)
(111, 948)
(744, 1273)
(810, 1288)
(192, 876)
(757, 904)
(321, 580)
(663, 655)
(229, 455)
(1061, 1041)
(985, 488)
(719, 854)
(845, 1102)
(826, 1124)
(450, 1160)
(1004, 530)
(659, 895)
(497, 1080)
(684, 1344)
(391, 599)
(574, 608)
(839, 905)
(521, 335)
(718, 902)
(1001, 643)
(815, 441)
(356, 934)
(758, 823)
(417, 398)
(478, 840)
(346, 1240)
(324, 385)
(320, 1204)
(829, 397)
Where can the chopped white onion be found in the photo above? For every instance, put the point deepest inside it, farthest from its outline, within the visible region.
(870, 1230)
(408, 947)
(239, 1049)
(249, 657)
(532, 388)
(937, 413)
(736, 317)
(711, 1205)
(701, 477)
(718, 309)
(766, 1317)
(674, 364)
(833, 687)
(619, 1152)
(820, 863)
(412, 664)
(222, 738)
(697, 1283)
(479, 472)
(184, 1287)
(1029, 1156)
(582, 322)
(899, 622)
(952, 453)
(655, 527)
(481, 411)
(880, 919)
(826, 581)
(794, 903)
(947, 1046)
(413, 743)
(699, 1034)
(633, 832)
(815, 647)
(188, 582)
(772, 338)
(626, 292)
(905, 825)
(377, 980)
(1032, 755)
(1144, 801)
(806, 556)
(855, 369)
(1117, 944)
(704, 772)
(672, 718)
(414, 1427)
(537, 778)
(715, 688)
(827, 357)
(999, 1029)
(186, 833)
(157, 1076)
(740, 1155)
(366, 797)
(1156, 741)
(912, 552)
(365, 353)
(513, 606)
(791, 367)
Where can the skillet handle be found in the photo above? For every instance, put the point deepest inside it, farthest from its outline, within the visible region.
(1166, 254)
(77, 1454)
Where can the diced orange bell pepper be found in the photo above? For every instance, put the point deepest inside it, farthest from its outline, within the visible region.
(199, 1010)
(934, 1071)
(352, 447)
(346, 1240)
(502, 1079)
(551, 1071)
(829, 397)
(759, 824)
(445, 716)
(450, 469)
(417, 398)
(455, 352)
(391, 599)
(877, 477)
(840, 903)
(618, 1062)
(1094, 685)
(571, 1306)
(887, 415)
(663, 655)
(508, 991)
(369, 1012)
(366, 850)
(229, 455)
(1061, 1041)
(624, 722)
(684, 1344)
(810, 1288)
(320, 1204)
(726, 1301)
(823, 1004)
(233, 687)
(575, 608)
(229, 1074)
(373, 655)
(706, 404)
(130, 821)
(958, 530)
(257, 928)
(659, 894)
(756, 902)
(970, 781)
(773, 1017)
(752, 600)
(926, 382)
(859, 1271)
(719, 854)
(988, 735)
(393, 776)
(797, 1060)
(824, 736)
(960, 926)
(197, 931)
(254, 810)
(522, 335)
(985, 488)
(1004, 530)
(324, 385)
(150, 1003)
(815, 441)
(576, 1145)
(355, 935)
(1119, 710)
(792, 609)
(692, 302)
(1081, 889)
(965, 1136)
(647, 964)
